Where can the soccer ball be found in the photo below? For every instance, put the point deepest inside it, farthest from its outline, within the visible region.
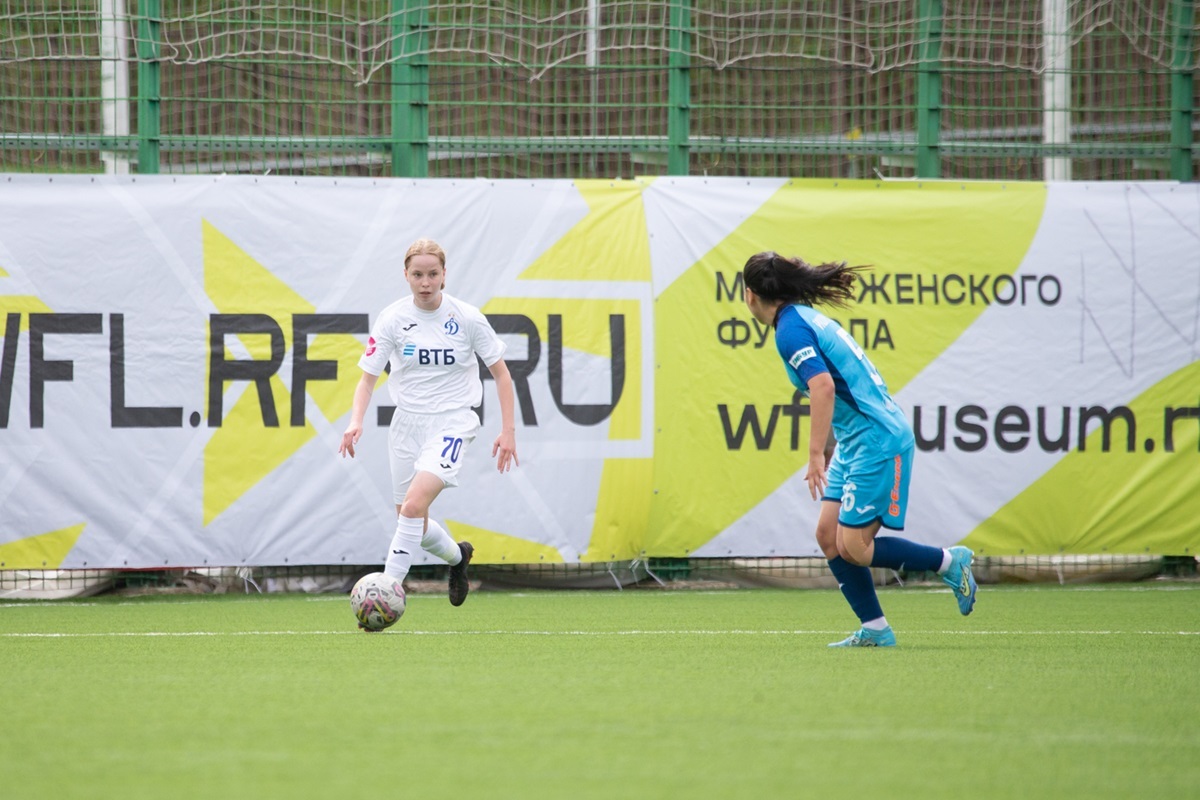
(378, 601)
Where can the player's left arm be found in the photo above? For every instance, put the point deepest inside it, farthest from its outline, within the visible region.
(504, 449)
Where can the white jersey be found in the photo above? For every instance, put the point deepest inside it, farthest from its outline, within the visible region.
(432, 354)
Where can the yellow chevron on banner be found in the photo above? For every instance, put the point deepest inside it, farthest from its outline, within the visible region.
(623, 498)
(43, 551)
(497, 548)
(609, 244)
(22, 304)
(1103, 496)
(335, 398)
(625, 495)
(243, 450)
(925, 230)
(728, 435)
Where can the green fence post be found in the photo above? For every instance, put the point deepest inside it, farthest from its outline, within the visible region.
(410, 89)
(679, 88)
(149, 50)
(1183, 96)
(929, 88)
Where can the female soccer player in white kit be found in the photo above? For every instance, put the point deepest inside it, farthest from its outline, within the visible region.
(431, 340)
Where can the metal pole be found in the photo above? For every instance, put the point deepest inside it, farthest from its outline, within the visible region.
(929, 89)
(1183, 92)
(149, 85)
(410, 89)
(592, 59)
(1056, 87)
(679, 89)
(114, 81)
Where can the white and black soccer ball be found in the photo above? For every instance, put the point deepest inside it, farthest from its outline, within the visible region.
(378, 601)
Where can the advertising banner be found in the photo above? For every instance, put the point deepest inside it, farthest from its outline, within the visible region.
(178, 359)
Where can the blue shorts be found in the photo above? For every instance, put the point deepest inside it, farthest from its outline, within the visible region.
(870, 491)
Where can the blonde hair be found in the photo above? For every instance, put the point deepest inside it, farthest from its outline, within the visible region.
(425, 247)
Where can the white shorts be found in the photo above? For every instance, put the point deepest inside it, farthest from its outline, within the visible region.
(434, 443)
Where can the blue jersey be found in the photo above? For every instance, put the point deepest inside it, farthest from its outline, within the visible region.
(866, 420)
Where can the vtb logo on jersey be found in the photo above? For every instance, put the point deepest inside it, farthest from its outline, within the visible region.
(451, 326)
(436, 356)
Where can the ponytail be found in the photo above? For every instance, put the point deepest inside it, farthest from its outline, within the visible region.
(774, 277)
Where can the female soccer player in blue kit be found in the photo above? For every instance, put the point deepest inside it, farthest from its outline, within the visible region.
(865, 486)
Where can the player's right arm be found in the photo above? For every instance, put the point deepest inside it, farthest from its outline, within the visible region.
(362, 398)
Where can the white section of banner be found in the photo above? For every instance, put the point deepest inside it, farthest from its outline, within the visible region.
(687, 217)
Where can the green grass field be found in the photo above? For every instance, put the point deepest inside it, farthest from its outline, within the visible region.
(1043, 692)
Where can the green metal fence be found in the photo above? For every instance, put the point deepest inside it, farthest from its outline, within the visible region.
(999, 89)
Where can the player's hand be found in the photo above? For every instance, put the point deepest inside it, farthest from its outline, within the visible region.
(816, 477)
(349, 439)
(504, 450)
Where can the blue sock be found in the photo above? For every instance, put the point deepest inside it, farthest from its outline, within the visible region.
(858, 588)
(892, 552)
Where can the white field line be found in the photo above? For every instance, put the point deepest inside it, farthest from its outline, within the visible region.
(171, 634)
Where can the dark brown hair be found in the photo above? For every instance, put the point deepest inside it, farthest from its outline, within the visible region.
(774, 277)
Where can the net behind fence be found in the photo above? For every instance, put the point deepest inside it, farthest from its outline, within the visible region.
(681, 573)
(839, 88)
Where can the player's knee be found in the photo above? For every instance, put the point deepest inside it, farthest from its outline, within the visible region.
(413, 508)
(827, 540)
(854, 546)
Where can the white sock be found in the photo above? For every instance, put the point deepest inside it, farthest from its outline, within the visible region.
(876, 624)
(946, 559)
(404, 544)
(438, 542)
